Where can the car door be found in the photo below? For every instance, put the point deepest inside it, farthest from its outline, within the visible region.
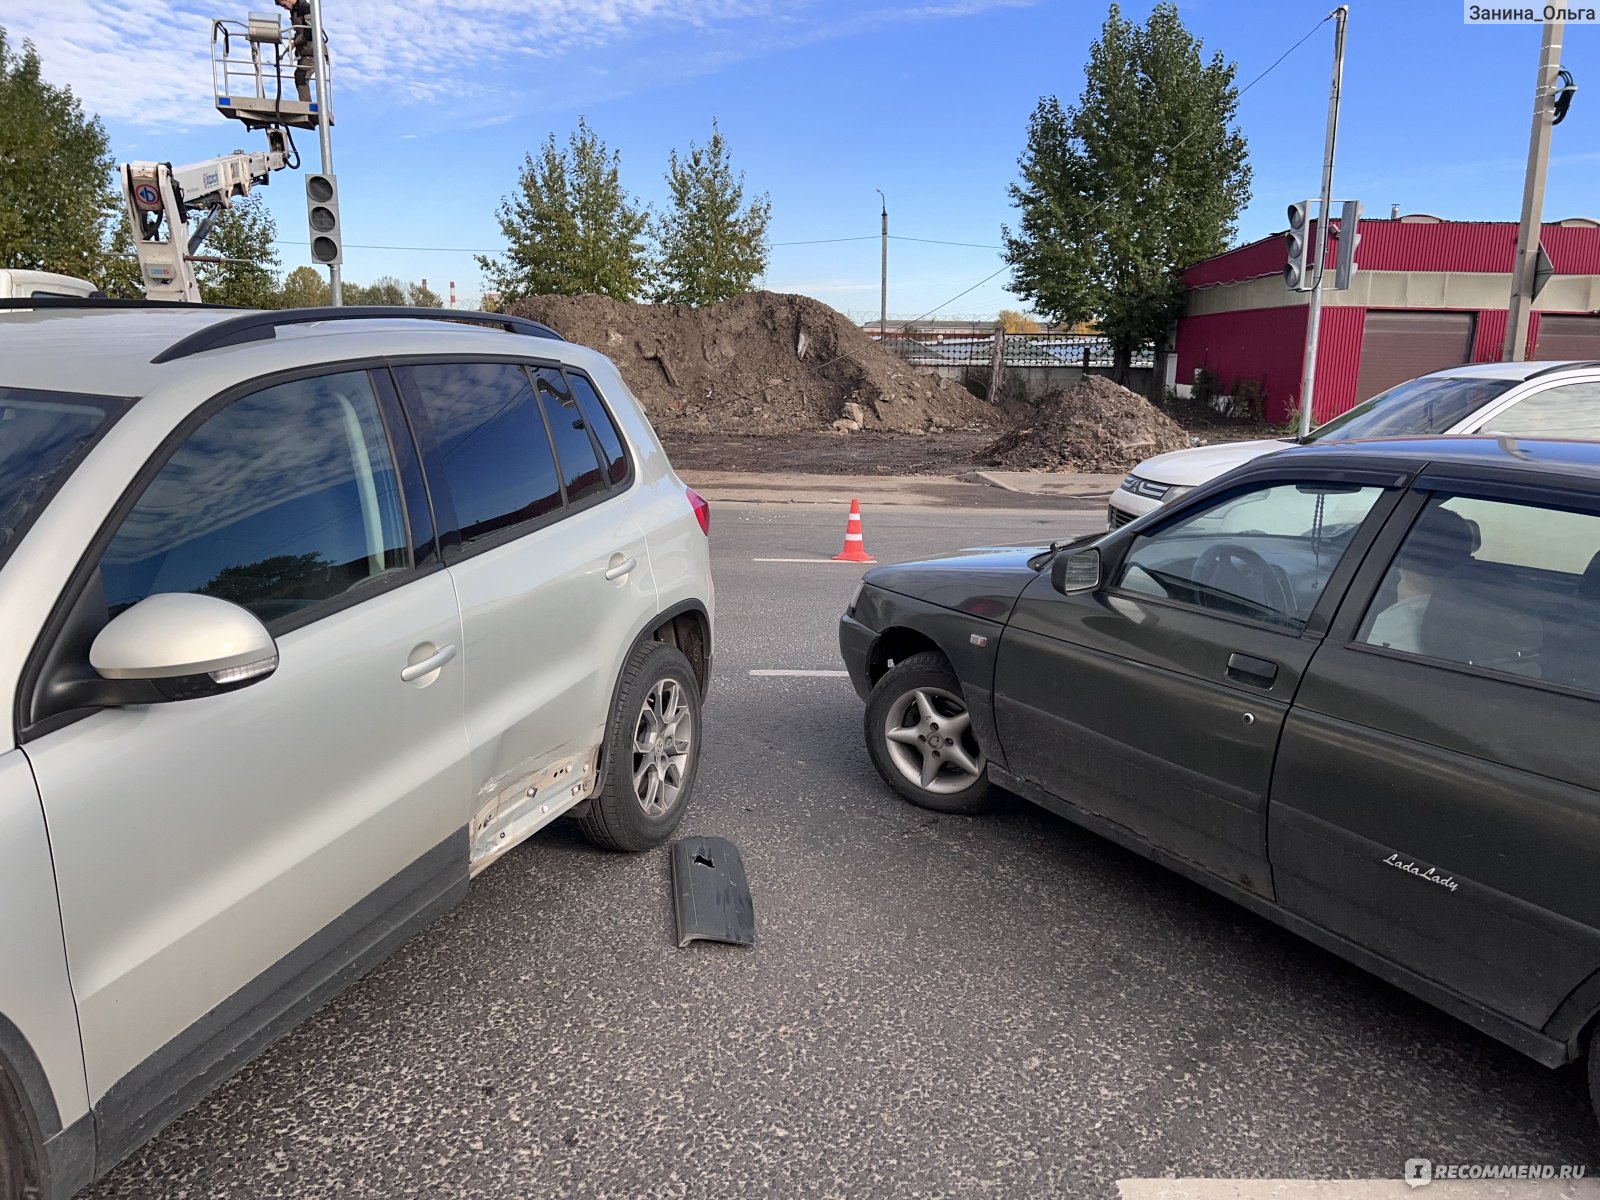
(1156, 700)
(553, 576)
(222, 862)
(1438, 785)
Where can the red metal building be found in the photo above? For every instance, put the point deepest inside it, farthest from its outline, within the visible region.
(1427, 294)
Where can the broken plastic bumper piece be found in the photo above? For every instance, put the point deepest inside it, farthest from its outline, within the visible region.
(710, 893)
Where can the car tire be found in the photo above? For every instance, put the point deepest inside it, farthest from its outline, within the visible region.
(1594, 1071)
(12, 1179)
(652, 752)
(910, 712)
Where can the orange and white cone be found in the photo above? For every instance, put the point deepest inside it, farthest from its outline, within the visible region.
(855, 549)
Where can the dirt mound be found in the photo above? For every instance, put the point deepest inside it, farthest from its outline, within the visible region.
(761, 363)
(1095, 425)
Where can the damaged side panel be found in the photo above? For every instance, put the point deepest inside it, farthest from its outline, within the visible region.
(521, 808)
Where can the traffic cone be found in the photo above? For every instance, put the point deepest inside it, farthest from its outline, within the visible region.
(855, 549)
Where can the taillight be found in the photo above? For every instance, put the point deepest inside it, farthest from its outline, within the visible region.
(702, 510)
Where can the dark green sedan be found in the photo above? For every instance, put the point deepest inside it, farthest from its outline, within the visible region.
(1356, 688)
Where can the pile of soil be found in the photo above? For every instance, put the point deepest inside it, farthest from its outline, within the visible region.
(1095, 425)
(761, 363)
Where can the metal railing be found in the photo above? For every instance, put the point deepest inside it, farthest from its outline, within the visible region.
(1084, 350)
(253, 65)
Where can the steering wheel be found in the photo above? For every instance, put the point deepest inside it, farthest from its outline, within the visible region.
(1230, 567)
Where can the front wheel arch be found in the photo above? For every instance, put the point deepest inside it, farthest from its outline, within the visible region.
(895, 645)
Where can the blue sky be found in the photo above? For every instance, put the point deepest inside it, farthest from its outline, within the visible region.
(821, 102)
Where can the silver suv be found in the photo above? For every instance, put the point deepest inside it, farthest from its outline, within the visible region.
(310, 616)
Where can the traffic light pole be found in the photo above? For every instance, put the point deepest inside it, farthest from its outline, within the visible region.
(1526, 263)
(1319, 248)
(324, 134)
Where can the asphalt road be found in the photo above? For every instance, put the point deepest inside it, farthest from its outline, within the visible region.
(937, 1006)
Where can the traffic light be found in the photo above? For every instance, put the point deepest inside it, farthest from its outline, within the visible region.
(1297, 242)
(322, 212)
(1349, 239)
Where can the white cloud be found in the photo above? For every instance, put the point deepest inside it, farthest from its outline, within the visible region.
(472, 62)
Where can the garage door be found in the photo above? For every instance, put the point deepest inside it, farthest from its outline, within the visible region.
(1397, 346)
(1568, 335)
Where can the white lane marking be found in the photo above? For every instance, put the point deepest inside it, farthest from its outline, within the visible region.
(810, 560)
(807, 674)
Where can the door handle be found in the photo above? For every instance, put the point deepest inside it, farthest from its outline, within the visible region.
(1246, 668)
(622, 568)
(428, 665)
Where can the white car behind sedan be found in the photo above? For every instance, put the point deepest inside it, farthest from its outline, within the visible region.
(1524, 399)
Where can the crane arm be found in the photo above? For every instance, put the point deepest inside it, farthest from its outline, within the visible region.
(161, 199)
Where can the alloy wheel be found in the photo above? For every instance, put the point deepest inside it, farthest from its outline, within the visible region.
(928, 734)
(663, 741)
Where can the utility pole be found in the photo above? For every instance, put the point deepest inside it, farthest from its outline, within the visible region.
(883, 285)
(324, 134)
(1308, 376)
(1520, 308)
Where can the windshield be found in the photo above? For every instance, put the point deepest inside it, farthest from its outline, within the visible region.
(1433, 404)
(42, 437)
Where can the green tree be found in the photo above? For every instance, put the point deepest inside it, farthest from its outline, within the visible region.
(118, 276)
(57, 203)
(279, 577)
(243, 236)
(713, 244)
(1140, 178)
(570, 227)
(420, 295)
(303, 287)
(385, 289)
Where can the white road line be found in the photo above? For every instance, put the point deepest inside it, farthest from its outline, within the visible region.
(807, 674)
(811, 560)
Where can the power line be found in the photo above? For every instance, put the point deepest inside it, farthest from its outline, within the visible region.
(895, 237)
(1286, 54)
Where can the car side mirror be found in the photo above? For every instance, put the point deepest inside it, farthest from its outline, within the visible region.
(1076, 572)
(184, 646)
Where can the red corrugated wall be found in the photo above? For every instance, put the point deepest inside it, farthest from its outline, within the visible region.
(1491, 335)
(1338, 362)
(1417, 246)
(1264, 344)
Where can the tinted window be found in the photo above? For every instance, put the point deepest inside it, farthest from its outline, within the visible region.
(1264, 554)
(1423, 406)
(604, 428)
(1506, 587)
(580, 469)
(42, 437)
(1569, 411)
(285, 498)
(491, 441)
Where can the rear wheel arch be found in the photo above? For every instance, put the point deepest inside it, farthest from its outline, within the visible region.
(21, 1137)
(685, 626)
(688, 628)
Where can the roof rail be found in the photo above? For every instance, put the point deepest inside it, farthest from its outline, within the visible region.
(259, 326)
(1571, 365)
